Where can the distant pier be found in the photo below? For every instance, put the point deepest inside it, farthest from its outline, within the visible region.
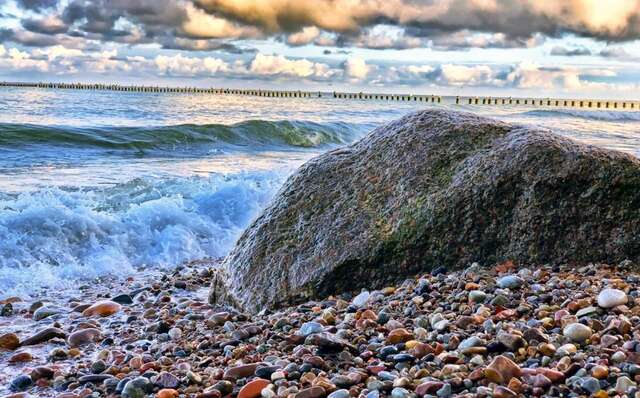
(435, 99)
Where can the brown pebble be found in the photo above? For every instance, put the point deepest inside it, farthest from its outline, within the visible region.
(167, 393)
(102, 308)
(501, 370)
(9, 341)
(23, 356)
(83, 337)
(311, 392)
(253, 388)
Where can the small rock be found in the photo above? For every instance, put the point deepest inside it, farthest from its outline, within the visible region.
(361, 299)
(9, 341)
(311, 392)
(102, 308)
(122, 299)
(609, 298)
(45, 312)
(624, 384)
(310, 328)
(253, 388)
(83, 337)
(21, 383)
(43, 335)
(137, 388)
(510, 282)
(590, 384)
(167, 380)
(477, 296)
(23, 356)
(167, 393)
(577, 332)
(342, 393)
(501, 370)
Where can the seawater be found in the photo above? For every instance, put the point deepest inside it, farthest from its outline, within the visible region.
(96, 183)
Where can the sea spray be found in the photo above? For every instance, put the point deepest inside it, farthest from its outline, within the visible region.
(54, 237)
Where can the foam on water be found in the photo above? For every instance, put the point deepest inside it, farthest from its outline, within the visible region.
(54, 237)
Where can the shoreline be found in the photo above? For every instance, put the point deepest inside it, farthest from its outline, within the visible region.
(494, 331)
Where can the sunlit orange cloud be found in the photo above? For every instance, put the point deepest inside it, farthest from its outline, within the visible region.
(611, 19)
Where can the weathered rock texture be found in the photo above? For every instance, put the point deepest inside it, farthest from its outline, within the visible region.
(434, 188)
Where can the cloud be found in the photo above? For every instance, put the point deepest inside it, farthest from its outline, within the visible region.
(618, 53)
(179, 65)
(461, 75)
(278, 65)
(608, 20)
(49, 25)
(198, 24)
(36, 5)
(356, 68)
(14, 59)
(307, 35)
(570, 52)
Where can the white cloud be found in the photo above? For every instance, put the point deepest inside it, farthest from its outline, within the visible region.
(459, 75)
(278, 65)
(180, 65)
(307, 35)
(356, 68)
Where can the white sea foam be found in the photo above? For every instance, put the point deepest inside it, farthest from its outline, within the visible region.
(55, 237)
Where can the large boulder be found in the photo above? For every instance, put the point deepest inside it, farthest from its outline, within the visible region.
(434, 188)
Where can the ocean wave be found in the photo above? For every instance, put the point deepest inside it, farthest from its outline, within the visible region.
(601, 115)
(251, 133)
(54, 237)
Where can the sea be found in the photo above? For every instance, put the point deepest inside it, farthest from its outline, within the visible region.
(104, 183)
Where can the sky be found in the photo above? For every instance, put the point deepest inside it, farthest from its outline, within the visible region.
(560, 48)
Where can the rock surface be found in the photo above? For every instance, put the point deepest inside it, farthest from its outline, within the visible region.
(434, 189)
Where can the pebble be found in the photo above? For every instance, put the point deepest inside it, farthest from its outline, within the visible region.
(137, 388)
(501, 370)
(609, 298)
(9, 341)
(43, 335)
(102, 308)
(45, 312)
(167, 393)
(450, 334)
(624, 384)
(23, 356)
(361, 299)
(253, 388)
(577, 332)
(477, 296)
(83, 337)
(21, 383)
(309, 328)
(510, 282)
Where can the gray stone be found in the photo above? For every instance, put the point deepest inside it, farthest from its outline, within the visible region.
(45, 312)
(433, 188)
(309, 328)
(477, 296)
(137, 388)
(590, 384)
(577, 332)
(609, 298)
(342, 393)
(510, 282)
(624, 384)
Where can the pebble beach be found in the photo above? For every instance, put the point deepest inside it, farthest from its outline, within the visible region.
(501, 331)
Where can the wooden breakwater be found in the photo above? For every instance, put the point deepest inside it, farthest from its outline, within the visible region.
(363, 96)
